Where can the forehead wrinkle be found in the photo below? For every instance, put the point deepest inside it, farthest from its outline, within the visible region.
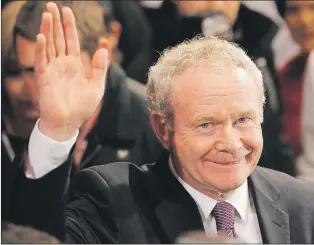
(235, 83)
(217, 90)
(236, 110)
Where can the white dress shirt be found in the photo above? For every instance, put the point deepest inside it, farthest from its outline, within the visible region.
(46, 155)
(246, 222)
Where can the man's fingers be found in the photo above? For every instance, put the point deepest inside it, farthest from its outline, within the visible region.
(99, 66)
(58, 35)
(46, 28)
(40, 60)
(70, 32)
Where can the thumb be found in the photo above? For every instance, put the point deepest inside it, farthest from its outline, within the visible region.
(99, 66)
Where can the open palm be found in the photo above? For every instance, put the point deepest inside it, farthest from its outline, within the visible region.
(66, 96)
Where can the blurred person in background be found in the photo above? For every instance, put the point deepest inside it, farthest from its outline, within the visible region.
(136, 39)
(18, 115)
(126, 134)
(134, 48)
(297, 85)
(175, 21)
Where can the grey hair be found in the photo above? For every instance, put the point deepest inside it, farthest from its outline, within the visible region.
(214, 51)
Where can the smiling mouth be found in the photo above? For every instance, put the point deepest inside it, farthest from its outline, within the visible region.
(223, 163)
(26, 104)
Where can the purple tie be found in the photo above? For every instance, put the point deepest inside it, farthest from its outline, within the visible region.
(224, 214)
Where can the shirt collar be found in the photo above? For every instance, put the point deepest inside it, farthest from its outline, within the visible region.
(239, 199)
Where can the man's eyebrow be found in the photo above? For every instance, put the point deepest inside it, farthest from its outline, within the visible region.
(247, 112)
(253, 114)
(205, 118)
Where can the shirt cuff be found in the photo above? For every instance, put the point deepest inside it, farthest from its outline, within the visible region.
(45, 154)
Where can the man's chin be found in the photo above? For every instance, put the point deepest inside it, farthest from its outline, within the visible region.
(220, 191)
(31, 116)
(227, 183)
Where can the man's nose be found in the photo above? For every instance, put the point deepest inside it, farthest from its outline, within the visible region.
(228, 140)
(30, 89)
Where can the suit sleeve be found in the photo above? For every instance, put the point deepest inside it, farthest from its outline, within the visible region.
(84, 216)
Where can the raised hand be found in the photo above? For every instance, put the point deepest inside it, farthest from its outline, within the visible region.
(66, 96)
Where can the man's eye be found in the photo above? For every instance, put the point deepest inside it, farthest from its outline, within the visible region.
(292, 10)
(204, 125)
(13, 72)
(243, 120)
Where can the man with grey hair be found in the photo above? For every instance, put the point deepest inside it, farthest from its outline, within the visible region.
(207, 178)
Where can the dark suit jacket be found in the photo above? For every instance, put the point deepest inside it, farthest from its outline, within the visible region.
(124, 203)
(122, 126)
(135, 40)
(122, 133)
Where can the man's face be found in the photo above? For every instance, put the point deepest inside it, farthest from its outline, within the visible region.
(217, 138)
(21, 88)
(20, 95)
(229, 8)
(300, 19)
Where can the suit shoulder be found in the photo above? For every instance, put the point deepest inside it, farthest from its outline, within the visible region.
(114, 173)
(289, 187)
(100, 180)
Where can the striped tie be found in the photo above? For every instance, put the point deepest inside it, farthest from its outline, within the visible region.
(224, 214)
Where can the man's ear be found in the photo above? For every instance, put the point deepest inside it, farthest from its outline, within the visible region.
(161, 129)
(104, 43)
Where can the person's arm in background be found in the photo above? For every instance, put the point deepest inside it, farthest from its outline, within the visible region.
(40, 192)
(276, 154)
(305, 162)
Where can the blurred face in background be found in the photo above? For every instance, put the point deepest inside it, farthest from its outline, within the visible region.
(230, 9)
(20, 82)
(17, 81)
(21, 87)
(299, 16)
(20, 79)
(19, 98)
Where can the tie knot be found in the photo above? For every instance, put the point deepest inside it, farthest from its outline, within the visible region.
(224, 214)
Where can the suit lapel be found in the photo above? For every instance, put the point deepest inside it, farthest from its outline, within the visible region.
(273, 221)
(176, 211)
(176, 219)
